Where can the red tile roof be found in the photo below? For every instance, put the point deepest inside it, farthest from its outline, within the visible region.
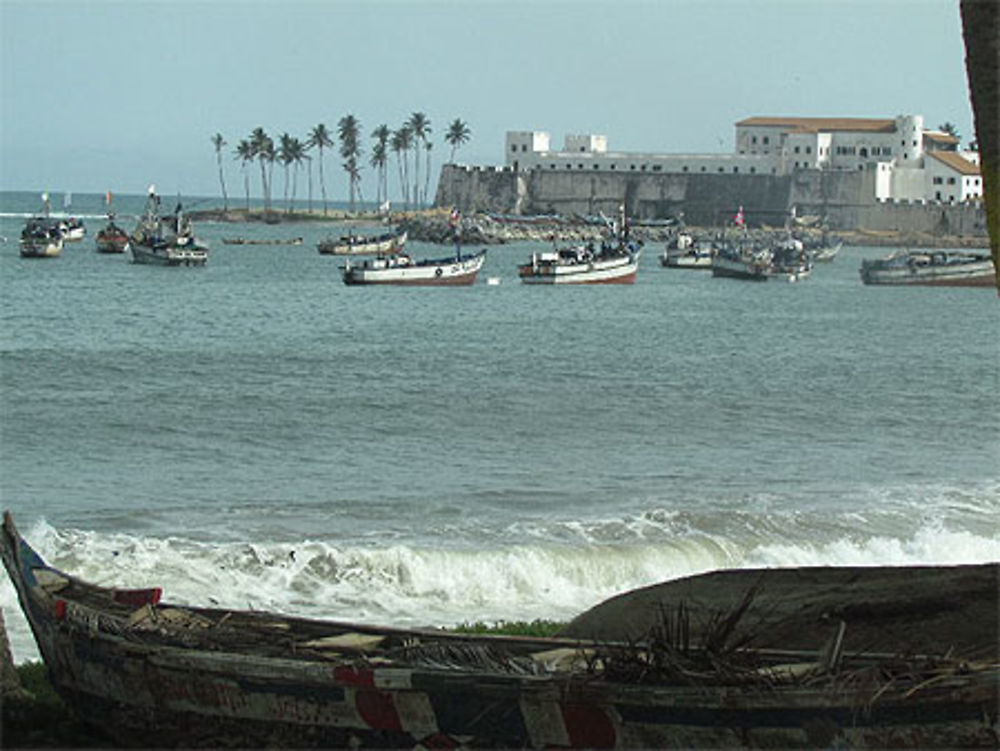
(939, 137)
(956, 161)
(820, 124)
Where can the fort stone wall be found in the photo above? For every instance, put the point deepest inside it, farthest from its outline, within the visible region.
(703, 199)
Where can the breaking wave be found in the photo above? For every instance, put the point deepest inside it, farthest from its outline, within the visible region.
(555, 571)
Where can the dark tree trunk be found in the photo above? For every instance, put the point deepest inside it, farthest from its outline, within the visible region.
(981, 31)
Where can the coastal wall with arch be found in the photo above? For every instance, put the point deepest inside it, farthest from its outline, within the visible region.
(841, 197)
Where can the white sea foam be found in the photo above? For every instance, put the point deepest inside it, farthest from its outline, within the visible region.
(421, 585)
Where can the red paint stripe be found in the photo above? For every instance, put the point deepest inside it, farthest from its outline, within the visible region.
(138, 597)
(588, 726)
(350, 676)
(378, 710)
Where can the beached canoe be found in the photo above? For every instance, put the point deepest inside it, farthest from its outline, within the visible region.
(148, 673)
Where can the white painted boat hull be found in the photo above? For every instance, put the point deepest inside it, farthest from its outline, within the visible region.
(978, 273)
(41, 248)
(440, 273)
(618, 270)
(169, 256)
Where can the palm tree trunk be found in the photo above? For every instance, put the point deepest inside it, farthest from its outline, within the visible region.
(416, 173)
(288, 206)
(263, 184)
(322, 180)
(222, 182)
(981, 31)
(427, 175)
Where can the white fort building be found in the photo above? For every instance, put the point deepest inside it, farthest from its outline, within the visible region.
(907, 161)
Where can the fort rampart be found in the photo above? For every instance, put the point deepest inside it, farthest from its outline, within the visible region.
(703, 199)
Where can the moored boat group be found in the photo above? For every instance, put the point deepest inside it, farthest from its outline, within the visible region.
(168, 239)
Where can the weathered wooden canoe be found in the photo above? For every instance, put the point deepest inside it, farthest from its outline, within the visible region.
(359, 245)
(147, 673)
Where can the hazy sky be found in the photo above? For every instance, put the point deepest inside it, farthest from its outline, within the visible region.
(117, 94)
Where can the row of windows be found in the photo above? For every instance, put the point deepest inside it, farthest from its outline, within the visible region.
(952, 181)
(658, 168)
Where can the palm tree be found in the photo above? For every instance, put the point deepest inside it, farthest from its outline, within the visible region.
(319, 137)
(309, 172)
(218, 142)
(458, 133)
(400, 144)
(285, 157)
(421, 128)
(379, 160)
(244, 152)
(297, 154)
(950, 129)
(348, 129)
(263, 151)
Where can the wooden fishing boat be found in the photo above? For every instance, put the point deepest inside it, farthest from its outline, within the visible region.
(41, 238)
(576, 265)
(73, 229)
(112, 239)
(741, 262)
(148, 673)
(166, 240)
(786, 260)
(934, 268)
(359, 245)
(696, 256)
(615, 261)
(400, 269)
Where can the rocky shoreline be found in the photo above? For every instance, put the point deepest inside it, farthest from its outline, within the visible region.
(432, 225)
(483, 229)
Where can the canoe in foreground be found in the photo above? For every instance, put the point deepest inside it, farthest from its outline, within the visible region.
(400, 269)
(148, 673)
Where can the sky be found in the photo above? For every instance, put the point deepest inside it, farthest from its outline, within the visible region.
(100, 95)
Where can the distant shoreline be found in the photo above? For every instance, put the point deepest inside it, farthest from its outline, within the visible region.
(431, 225)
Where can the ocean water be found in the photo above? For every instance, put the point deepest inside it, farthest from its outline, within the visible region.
(254, 434)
